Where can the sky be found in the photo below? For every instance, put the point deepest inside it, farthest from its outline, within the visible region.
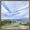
(14, 9)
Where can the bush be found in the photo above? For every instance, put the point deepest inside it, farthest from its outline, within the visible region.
(27, 23)
(5, 22)
(20, 23)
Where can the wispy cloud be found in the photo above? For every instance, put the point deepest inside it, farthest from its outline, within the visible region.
(19, 9)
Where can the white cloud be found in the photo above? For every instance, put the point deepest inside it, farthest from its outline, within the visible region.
(23, 10)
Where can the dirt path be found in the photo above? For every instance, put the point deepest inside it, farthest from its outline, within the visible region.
(11, 27)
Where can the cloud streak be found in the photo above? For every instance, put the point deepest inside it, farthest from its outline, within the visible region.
(19, 10)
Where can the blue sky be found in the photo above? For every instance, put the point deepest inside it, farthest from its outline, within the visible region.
(14, 9)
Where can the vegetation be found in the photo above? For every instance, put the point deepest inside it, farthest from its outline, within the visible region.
(28, 23)
(9, 22)
(24, 24)
(5, 22)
